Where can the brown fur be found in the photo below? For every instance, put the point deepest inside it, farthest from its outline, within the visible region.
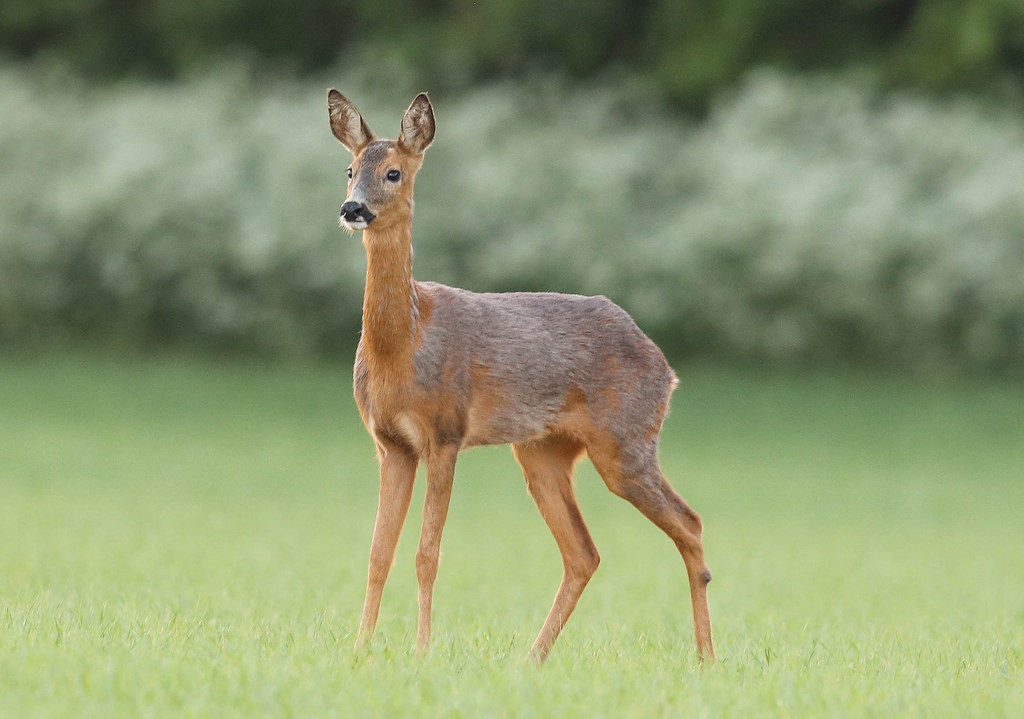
(440, 369)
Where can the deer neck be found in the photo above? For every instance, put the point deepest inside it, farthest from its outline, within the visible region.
(390, 302)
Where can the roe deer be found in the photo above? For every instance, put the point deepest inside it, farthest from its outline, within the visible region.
(439, 369)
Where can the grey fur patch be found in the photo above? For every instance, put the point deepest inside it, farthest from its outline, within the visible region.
(534, 349)
(368, 187)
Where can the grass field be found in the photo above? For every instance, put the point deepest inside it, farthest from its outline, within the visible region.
(180, 538)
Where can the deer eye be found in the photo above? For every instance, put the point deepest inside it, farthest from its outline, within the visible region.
(349, 173)
(394, 175)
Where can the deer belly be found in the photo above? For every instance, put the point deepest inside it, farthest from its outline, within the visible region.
(498, 422)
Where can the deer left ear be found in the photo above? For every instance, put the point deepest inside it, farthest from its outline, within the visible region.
(418, 125)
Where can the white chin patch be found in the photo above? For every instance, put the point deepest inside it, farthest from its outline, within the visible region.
(352, 224)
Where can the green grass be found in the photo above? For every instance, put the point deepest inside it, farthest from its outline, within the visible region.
(181, 538)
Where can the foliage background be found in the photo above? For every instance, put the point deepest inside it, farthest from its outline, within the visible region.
(689, 48)
(784, 181)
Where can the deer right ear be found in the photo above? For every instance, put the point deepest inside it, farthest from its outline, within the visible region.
(418, 125)
(347, 124)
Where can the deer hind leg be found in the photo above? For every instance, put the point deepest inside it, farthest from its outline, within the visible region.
(440, 474)
(547, 465)
(397, 474)
(640, 481)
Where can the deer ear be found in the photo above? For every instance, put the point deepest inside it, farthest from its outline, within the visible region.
(418, 125)
(347, 124)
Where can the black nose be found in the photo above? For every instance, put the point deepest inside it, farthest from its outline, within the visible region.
(355, 211)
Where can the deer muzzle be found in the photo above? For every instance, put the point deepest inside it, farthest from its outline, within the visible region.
(356, 215)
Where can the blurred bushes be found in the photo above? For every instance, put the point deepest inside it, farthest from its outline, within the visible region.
(689, 48)
(169, 215)
(805, 220)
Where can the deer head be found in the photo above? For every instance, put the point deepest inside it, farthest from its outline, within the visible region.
(380, 178)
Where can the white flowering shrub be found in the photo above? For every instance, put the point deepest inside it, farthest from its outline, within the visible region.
(804, 220)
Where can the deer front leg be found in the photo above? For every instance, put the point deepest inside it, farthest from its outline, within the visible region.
(440, 474)
(397, 474)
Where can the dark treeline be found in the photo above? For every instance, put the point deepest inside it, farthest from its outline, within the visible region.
(690, 48)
